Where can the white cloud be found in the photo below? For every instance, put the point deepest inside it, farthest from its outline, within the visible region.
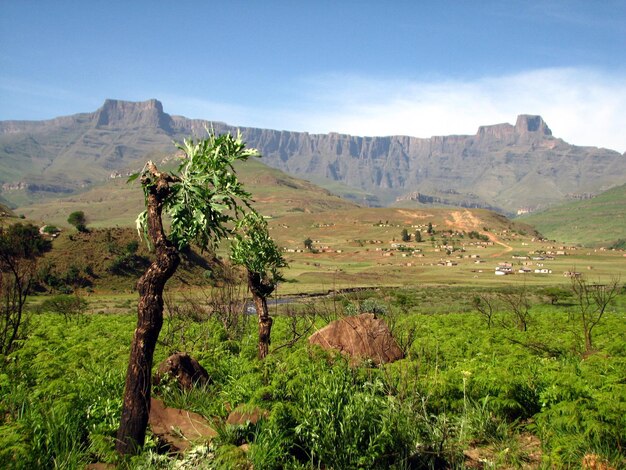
(581, 106)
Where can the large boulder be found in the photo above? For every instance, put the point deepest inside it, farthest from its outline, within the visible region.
(185, 369)
(178, 429)
(363, 336)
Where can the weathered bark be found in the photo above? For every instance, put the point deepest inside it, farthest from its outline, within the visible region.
(14, 289)
(588, 342)
(260, 291)
(136, 407)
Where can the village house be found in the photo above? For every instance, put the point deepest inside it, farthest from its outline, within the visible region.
(504, 268)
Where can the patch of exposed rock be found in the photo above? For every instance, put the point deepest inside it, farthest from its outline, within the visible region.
(178, 429)
(242, 415)
(184, 369)
(361, 337)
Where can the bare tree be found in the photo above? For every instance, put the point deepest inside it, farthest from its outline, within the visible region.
(20, 246)
(519, 304)
(592, 301)
(485, 306)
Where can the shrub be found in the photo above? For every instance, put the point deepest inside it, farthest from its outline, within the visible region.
(70, 306)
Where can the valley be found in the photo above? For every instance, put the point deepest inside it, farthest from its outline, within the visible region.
(497, 359)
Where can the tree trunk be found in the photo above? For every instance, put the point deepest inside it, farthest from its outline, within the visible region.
(265, 325)
(136, 407)
(260, 291)
(588, 342)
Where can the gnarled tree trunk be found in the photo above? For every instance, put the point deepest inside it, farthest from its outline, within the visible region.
(136, 408)
(260, 291)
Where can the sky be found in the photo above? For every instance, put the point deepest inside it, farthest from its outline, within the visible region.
(418, 68)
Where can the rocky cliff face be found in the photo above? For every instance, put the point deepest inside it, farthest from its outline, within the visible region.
(116, 114)
(502, 166)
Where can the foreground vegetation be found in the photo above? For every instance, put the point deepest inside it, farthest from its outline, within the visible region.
(504, 397)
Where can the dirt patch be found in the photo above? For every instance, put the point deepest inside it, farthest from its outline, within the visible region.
(527, 449)
(468, 222)
(595, 462)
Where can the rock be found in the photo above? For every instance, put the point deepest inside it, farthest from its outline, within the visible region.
(527, 123)
(363, 336)
(595, 462)
(185, 369)
(240, 416)
(176, 428)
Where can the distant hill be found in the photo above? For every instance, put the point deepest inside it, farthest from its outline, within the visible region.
(600, 220)
(503, 166)
(114, 202)
(5, 211)
(102, 259)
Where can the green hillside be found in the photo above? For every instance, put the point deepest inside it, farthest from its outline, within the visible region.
(116, 203)
(5, 211)
(600, 220)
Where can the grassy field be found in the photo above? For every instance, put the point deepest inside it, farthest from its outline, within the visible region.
(361, 247)
(595, 221)
(465, 394)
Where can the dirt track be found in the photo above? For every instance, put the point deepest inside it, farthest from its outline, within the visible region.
(466, 221)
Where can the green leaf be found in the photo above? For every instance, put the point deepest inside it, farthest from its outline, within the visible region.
(132, 178)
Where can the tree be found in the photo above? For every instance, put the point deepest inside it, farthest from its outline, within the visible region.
(418, 236)
(308, 244)
(20, 246)
(202, 199)
(257, 252)
(406, 237)
(554, 294)
(430, 230)
(78, 220)
(484, 304)
(592, 301)
(517, 301)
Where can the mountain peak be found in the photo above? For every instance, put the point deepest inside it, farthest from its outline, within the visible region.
(531, 123)
(118, 113)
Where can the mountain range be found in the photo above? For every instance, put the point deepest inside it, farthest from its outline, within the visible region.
(509, 168)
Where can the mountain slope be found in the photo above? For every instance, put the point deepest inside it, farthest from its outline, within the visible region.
(5, 211)
(502, 166)
(598, 220)
(114, 202)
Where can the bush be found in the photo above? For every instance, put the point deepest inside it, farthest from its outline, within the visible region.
(70, 306)
(345, 422)
(78, 220)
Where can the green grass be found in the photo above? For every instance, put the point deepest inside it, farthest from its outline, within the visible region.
(358, 241)
(5, 211)
(112, 202)
(462, 386)
(600, 220)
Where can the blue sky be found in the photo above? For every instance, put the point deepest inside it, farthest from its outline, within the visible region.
(419, 68)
